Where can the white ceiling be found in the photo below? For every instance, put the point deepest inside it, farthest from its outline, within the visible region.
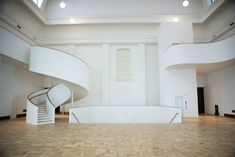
(122, 11)
(121, 8)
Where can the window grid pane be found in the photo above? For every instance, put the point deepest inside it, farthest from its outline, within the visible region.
(123, 64)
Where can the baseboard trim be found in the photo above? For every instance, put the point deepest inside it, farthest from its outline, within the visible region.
(21, 115)
(229, 115)
(5, 117)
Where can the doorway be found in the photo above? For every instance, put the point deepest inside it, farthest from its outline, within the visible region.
(200, 99)
(57, 110)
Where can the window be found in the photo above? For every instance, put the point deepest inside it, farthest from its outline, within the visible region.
(123, 64)
(38, 2)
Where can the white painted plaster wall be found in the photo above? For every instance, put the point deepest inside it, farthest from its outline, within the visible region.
(104, 88)
(220, 90)
(129, 92)
(200, 81)
(15, 84)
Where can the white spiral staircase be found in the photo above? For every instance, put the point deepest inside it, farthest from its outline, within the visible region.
(41, 104)
(71, 73)
(71, 70)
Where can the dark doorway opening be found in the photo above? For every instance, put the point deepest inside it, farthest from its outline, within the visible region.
(200, 98)
(57, 110)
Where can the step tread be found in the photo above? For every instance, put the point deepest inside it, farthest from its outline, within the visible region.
(45, 120)
(39, 123)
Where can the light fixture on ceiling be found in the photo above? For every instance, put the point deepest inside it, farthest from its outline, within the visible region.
(175, 19)
(71, 20)
(185, 3)
(62, 4)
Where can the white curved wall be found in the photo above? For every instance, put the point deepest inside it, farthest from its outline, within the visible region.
(200, 53)
(60, 65)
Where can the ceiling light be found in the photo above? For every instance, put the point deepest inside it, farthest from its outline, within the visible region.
(62, 4)
(175, 19)
(71, 20)
(185, 3)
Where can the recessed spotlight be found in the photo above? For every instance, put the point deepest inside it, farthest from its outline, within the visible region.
(62, 4)
(185, 3)
(175, 19)
(71, 20)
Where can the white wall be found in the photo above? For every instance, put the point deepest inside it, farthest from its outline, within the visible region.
(143, 89)
(220, 89)
(15, 84)
(200, 81)
(131, 92)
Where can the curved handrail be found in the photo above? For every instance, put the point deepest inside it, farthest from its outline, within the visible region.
(45, 93)
(196, 43)
(51, 90)
(75, 117)
(30, 98)
(174, 117)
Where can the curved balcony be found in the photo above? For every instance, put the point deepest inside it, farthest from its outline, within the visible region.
(201, 56)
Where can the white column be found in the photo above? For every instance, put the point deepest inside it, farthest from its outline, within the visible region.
(105, 100)
(142, 49)
(72, 101)
(176, 82)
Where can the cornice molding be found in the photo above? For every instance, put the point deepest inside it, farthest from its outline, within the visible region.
(17, 33)
(98, 39)
(37, 11)
(207, 13)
